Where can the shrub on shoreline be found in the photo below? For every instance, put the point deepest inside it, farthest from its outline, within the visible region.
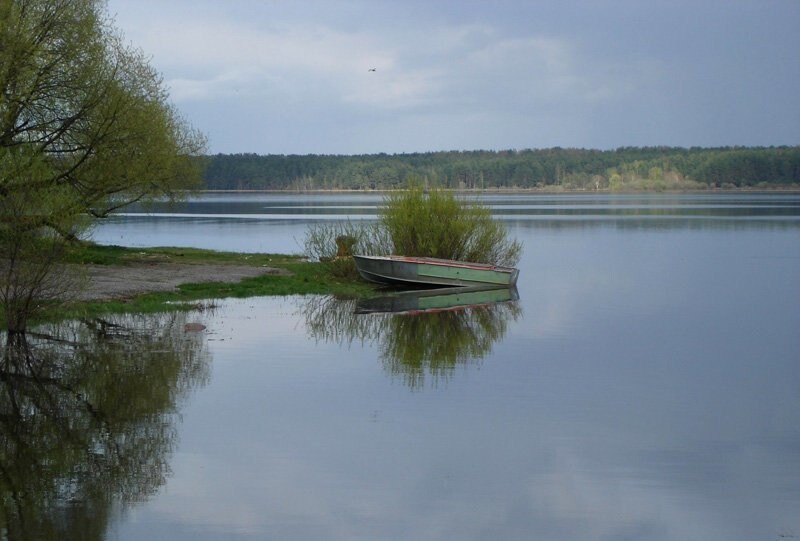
(417, 222)
(436, 223)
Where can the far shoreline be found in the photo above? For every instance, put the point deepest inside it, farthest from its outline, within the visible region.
(545, 190)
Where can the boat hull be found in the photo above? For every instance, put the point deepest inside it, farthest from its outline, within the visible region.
(432, 272)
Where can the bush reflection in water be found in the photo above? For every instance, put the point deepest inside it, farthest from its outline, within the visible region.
(414, 345)
(88, 413)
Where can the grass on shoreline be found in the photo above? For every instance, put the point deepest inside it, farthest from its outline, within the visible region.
(305, 278)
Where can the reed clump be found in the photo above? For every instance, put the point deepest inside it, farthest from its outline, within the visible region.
(333, 244)
(416, 222)
(437, 223)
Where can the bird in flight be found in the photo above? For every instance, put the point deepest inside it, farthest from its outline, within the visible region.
(371, 69)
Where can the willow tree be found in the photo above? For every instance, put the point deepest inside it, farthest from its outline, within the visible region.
(85, 128)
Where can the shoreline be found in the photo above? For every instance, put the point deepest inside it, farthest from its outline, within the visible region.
(544, 190)
(118, 279)
(117, 282)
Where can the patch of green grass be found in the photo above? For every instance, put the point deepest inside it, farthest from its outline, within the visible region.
(86, 252)
(306, 278)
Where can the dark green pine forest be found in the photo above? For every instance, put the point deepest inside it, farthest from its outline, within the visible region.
(628, 168)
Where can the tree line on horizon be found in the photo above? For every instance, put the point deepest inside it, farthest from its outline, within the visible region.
(657, 168)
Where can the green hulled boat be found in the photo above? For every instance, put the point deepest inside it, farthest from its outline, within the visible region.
(396, 269)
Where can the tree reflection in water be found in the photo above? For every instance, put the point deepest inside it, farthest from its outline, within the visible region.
(88, 413)
(415, 343)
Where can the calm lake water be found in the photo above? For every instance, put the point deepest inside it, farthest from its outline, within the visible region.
(645, 384)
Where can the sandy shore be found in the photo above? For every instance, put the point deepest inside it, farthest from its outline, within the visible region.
(119, 281)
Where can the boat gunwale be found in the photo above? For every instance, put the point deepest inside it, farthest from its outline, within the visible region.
(439, 262)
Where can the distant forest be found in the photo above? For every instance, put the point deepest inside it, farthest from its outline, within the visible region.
(628, 168)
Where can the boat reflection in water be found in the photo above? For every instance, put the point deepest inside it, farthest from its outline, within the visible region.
(89, 414)
(419, 334)
(435, 300)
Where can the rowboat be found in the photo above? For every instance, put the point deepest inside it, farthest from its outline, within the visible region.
(437, 300)
(405, 270)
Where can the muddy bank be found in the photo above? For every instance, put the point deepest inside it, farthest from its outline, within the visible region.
(119, 281)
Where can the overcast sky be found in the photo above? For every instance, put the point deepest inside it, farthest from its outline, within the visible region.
(293, 76)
